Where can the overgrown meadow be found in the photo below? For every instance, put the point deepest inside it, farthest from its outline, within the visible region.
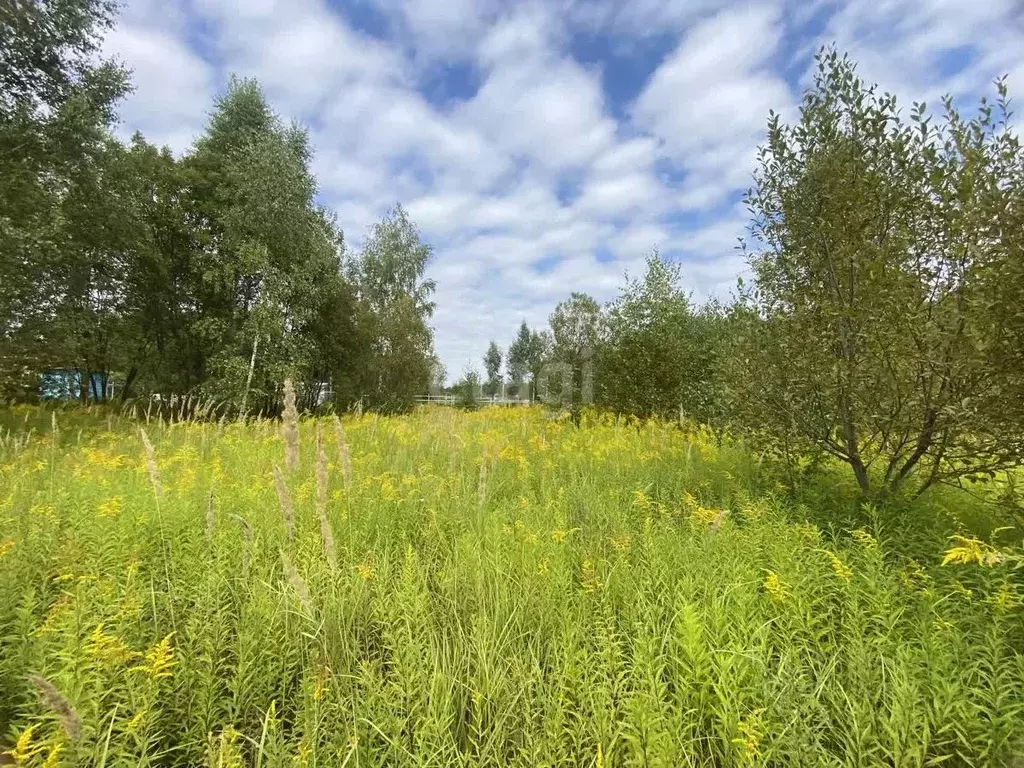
(489, 588)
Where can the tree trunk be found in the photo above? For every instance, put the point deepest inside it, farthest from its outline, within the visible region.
(252, 367)
(133, 372)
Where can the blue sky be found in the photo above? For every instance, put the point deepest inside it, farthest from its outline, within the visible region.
(544, 147)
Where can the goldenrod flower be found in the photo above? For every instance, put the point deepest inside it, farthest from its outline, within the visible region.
(775, 587)
(365, 571)
(864, 538)
(842, 570)
(621, 542)
(588, 577)
(23, 750)
(971, 550)
(159, 660)
(53, 757)
(110, 507)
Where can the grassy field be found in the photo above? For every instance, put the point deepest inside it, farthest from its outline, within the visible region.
(494, 588)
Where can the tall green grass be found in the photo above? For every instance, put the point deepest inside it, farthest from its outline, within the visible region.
(504, 589)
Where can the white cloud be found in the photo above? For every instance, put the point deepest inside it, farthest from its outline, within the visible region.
(903, 44)
(536, 103)
(709, 99)
(481, 176)
(173, 85)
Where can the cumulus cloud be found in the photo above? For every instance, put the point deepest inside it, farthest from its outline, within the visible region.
(709, 100)
(535, 176)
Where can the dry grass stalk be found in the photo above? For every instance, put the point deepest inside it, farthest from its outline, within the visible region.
(481, 489)
(285, 499)
(719, 519)
(343, 460)
(326, 533)
(290, 428)
(247, 535)
(210, 521)
(296, 582)
(154, 477)
(59, 704)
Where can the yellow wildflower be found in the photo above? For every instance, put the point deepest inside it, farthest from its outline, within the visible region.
(971, 550)
(1006, 599)
(23, 750)
(321, 684)
(914, 575)
(621, 542)
(136, 720)
(53, 757)
(542, 567)
(842, 570)
(705, 515)
(749, 741)
(6, 546)
(365, 571)
(160, 660)
(303, 754)
(110, 507)
(588, 577)
(775, 587)
(864, 538)
(106, 648)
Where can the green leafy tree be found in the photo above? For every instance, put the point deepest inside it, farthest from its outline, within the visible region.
(517, 360)
(389, 275)
(268, 257)
(492, 366)
(657, 355)
(527, 356)
(876, 329)
(575, 328)
(57, 99)
(467, 390)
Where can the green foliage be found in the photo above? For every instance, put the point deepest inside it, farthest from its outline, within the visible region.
(657, 356)
(492, 366)
(527, 355)
(569, 371)
(216, 274)
(389, 278)
(467, 390)
(875, 329)
(56, 101)
(508, 590)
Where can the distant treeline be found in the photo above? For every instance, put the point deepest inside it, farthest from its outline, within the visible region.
(883, 325)
(214, 274)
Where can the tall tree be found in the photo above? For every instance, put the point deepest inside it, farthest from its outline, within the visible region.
(516, 362)
(875, 329)
(492, 366)
(656, 354)
(390, 276)
(57, 100)
(538, 353)
(268, 256)
(526, 356)
(575, 327)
